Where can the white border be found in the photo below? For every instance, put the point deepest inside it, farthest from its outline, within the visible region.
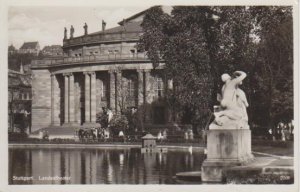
(4, 4)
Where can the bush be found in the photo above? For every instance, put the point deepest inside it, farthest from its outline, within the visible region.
(102, 118)
(119, 123)
(14, 136)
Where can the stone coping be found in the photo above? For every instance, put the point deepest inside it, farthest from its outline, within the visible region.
(62, 146)
(261, 165)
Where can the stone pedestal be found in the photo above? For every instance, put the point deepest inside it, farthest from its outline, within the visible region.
(225, 148)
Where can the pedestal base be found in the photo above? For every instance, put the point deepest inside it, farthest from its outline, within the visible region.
(225, 148)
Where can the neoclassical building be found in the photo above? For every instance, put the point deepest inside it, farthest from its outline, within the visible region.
(102, 69)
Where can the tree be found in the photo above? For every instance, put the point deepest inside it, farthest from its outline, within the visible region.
(197, 44)
(274, 71)
(200, 43)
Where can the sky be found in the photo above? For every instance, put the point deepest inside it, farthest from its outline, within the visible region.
(46, 24)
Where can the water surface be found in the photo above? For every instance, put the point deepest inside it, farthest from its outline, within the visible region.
(98, 166)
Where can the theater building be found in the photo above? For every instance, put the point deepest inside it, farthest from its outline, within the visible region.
(102, 69)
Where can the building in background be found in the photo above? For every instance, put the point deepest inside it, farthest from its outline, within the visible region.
(30, 47)
(19, 100)
(100, 70)
(52, 50)
(12, 50)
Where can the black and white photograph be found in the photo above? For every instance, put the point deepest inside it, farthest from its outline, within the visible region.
(153, 95)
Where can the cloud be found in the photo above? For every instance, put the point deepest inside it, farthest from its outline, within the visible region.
(46, 24)
(24, 28)
(112, 17)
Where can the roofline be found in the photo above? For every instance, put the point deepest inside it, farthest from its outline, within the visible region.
(99, 42)
(136, 15)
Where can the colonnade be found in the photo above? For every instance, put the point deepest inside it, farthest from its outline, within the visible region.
(90, 99)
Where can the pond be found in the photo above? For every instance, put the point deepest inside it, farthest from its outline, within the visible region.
(99, 165)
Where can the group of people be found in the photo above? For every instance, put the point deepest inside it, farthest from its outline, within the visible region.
(94, 133)
(283, 131)
(162, 135)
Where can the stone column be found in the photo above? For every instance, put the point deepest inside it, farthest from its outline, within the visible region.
(147, 97)
(52, 98)
(170, 109)
(93, 97)
(71, 99)
(170, 84)
(140, 87)
(66, 98)
(77, 103)
(118, 101)
(55, 121)
(87, 93)
(147, 86)
(112, 91)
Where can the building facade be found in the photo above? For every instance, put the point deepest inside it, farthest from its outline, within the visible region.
(19, 100)
(52, 50)
(11, 50)
(102, 69)
(30, 47)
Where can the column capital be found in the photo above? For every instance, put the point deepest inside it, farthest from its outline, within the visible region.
(92, 73)
(67, 74)
(111, 71)
(140, 70)
(147, 70)
(52, 74)
(89, 72)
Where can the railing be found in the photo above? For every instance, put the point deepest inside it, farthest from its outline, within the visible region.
(101, 38)
(89, 59)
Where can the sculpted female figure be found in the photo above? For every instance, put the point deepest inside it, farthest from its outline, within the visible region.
(233, 100)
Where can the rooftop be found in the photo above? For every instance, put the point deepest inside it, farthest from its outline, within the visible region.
(11, 48)
(30, 45)
(149, 136)
(128, 27)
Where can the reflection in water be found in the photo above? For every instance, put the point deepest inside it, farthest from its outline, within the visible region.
(98, 166)
(121, 158)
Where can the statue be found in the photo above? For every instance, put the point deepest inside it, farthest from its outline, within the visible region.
(242, 103)
(65, 33)
(72, 32)
(110, 115)
(233, 102)
(85, 27)
(229, 136)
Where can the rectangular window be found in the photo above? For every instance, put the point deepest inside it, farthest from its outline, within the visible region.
(131, 89)
(159, 86)
(104, 91)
